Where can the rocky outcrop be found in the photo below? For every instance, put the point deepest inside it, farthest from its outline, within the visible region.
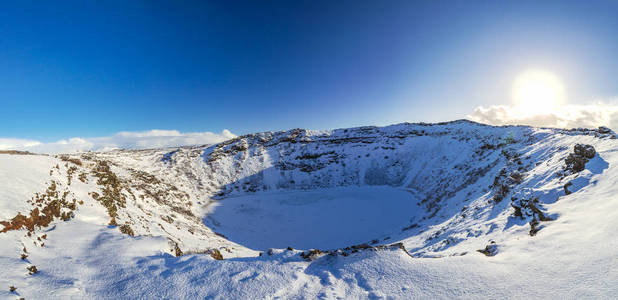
(576, 161)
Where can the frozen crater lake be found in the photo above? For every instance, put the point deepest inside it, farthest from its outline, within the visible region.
(321, 218)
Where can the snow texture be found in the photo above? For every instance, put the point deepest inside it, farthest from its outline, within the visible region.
(448, 210)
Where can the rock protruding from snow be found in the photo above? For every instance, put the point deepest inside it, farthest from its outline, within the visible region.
(586, 151)
(576, 161)
(490, 250)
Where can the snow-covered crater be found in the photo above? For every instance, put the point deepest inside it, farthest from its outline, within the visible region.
(490, 202)
(427, 177)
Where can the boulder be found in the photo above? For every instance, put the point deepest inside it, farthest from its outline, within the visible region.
(586, 151)
(576, 161)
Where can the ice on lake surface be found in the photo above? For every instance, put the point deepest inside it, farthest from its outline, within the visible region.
(322, 218)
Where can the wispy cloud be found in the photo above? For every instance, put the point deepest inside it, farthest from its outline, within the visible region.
(565, 116)
(123, 140)
(17, 143)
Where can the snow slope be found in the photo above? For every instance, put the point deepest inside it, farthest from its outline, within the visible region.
(396, 212)
(21, 175)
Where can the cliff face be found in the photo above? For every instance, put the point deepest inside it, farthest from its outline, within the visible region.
(434, 160)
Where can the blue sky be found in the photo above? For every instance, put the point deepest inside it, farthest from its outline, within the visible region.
(90, 69)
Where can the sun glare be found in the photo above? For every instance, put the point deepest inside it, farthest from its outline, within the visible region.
(537, 92)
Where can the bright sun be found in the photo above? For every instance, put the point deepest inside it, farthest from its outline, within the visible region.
(537, 92)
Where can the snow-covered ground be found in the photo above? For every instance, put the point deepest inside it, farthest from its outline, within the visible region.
(21, 176)
(396, 212)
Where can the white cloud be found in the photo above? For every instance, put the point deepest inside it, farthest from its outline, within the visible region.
(565, 116)
(16, 143)
(122, 140)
